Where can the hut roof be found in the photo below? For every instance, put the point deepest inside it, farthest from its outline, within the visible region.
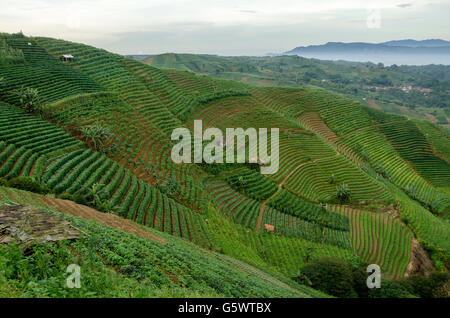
(27, 224)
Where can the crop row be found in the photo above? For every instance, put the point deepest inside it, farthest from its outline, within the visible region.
(31, 132)
(379, 239)
(319, 180)
(288, 203)
(252, 184)
(130, 197)
(387, 162)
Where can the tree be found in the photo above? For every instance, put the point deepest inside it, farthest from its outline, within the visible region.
(330, 275)
(96, 133)
(428, 286)
(343, 192)
(389, 289)
(100, 198)
(170, 186)
(29, 98)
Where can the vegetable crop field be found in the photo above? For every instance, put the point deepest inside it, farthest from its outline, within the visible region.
(94, 146)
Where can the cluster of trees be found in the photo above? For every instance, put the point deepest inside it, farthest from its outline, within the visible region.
(338, 278)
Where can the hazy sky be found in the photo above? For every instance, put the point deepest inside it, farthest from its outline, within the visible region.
(225, 27)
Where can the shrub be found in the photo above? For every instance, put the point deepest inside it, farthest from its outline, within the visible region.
(81, 199)
(3, 182)
(96, 133)
(66, 196)
(330, 275)
(29, 99)
(343, 193)
(426, 286)
(389, 289)
(170, 186)
(28, 184)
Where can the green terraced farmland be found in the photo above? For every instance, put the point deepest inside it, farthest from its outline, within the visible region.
(379, 239)
(228, 229)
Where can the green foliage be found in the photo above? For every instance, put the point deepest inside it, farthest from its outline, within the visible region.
(204, 99)
(28, 184)
(332, 179)
(389, 289)
(288, 203)
(117, 264)
(29, 99)
(342, 279)
(96, 133)
(330, 275)
(3, 182)
(343, 193)
(65, 196)
(100, 196)
(356, 80)
(142, 105)
(170, 186)
(251, 183)
(427, 286)
(9, 55)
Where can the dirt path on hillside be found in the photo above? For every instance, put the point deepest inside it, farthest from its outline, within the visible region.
(108, 219)
(280, 187)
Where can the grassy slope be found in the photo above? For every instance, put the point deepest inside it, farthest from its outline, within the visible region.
(150, 100)
(118, 264)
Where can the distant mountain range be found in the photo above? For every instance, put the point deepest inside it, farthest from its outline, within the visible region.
(408, 52)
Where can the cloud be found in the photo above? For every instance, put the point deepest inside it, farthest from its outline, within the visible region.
(248, 11)
(216, 26)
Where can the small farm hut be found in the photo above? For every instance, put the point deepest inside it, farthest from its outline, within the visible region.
(66, 58)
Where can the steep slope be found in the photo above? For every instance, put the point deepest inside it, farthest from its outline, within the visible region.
(325, 140)
(145, 263)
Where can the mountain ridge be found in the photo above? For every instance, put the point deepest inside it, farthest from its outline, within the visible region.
(411, 52)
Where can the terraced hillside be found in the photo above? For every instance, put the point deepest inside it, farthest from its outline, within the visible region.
(136, 262)
(327, 143)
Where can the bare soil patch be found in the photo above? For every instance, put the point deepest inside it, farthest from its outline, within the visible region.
(374, 105)
(420, 263)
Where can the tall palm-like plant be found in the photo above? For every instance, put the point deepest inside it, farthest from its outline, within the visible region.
(343, 192)
(29, 98)
(96, 133)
